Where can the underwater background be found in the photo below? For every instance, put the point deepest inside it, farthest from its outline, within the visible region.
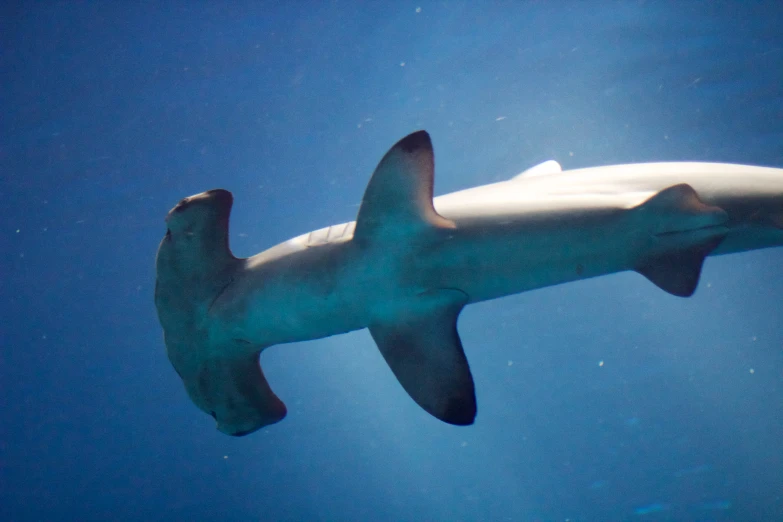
(601, 400)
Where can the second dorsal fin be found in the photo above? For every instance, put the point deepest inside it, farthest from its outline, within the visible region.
(542, 169)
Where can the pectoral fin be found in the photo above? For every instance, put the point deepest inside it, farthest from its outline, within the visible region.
(422, 347)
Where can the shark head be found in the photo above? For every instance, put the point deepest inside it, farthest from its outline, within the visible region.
(196, 241)
(202, 218)
(194, 266)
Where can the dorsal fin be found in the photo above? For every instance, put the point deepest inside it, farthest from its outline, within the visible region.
(398, 199)
(542, 169)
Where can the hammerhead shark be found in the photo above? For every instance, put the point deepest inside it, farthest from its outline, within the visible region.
(409, 264)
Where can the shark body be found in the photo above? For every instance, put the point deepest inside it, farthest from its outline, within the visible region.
(409, 264)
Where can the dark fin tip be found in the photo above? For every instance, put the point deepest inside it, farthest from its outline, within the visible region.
(242, 433)
(460, 412)
(415, 141)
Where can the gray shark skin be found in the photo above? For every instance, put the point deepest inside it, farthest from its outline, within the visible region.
(409, 264)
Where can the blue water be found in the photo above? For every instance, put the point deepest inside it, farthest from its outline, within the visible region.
(602, 400)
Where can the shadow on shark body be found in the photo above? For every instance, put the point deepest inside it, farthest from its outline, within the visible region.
(410, 262)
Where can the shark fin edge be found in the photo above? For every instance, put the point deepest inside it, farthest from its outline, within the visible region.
(398, 198)
(678, 272)
(422, 347)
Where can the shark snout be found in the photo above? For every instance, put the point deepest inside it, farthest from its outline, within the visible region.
(215, 203)
(218, 195)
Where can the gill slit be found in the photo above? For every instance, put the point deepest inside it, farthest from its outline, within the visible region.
(221, 292)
